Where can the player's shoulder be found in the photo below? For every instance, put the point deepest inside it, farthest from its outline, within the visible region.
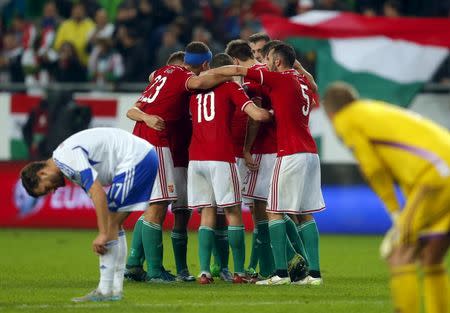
(173, 69)
(259, 67)
(231, 85)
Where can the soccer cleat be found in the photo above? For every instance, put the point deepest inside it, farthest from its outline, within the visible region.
(163, 277)
(184, 276)
(275, 280)
(226, 275)
(215, 270)
(242, 279)
(297, 268)
(308, 280)
(93, 296)
(135, 273)
(117, 297)
(205, 280)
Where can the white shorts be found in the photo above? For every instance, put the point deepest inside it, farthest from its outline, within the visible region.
(295, 185)
(180, 174)
(244, 172)
(164, 188)
(257, 183)
(213, 184)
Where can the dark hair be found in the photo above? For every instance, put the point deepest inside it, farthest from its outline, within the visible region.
(269, 45)
(29, 177)
(258, 37)
(176, 57)
(285, 52)
(221, 59)
(239, 49)
(196, 47)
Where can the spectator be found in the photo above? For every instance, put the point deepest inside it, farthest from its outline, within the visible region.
(145, 18)
(332, 5)
(246, 32)
(369, 11)
(10, 60)
(105, 64)
(66, 66)
(102, 30)
(391, 8)
(35, 131)
(166, 11)
(76, 30)
(169, 45)
(203, 35)
(127, 15)
(134, 54)
(25, 31)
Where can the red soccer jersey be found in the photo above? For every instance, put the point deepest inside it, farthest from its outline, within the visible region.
(180, 137)
(266, 140)
(166, 96)
(212, 112)
(292, 98)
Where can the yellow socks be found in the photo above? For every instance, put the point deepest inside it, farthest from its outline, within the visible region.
(436, 289)
(405, 289)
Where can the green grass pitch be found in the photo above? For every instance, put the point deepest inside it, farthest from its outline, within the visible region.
(41, 270)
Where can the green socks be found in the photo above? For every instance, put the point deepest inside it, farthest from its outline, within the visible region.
(137, 249)
(294, 237)
(179, 244)
(153, 247)
(221, 247)
(205, 244)
(310, 236)
(278, 239)
(255, 250)
(236, 237)
(266, 261)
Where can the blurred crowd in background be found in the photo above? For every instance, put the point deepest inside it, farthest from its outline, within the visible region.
(46, 41)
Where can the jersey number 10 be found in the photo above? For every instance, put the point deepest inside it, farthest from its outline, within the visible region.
(202, 110)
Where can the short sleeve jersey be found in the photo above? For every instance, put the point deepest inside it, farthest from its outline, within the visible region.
(99, 153)
(212, 112)
(166, 96)
(292, 98)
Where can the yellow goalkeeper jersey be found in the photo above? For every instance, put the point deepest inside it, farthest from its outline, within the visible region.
(393, 145)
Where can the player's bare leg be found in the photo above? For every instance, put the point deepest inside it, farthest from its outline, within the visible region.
(265, 255)
(236, 237)
(179, 243)
(206, 237)
(152, 239)
(278, 240)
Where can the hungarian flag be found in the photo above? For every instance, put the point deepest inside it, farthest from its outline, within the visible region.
(103, 110)
(384, 58)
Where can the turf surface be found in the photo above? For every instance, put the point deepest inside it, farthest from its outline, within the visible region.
(41, 270)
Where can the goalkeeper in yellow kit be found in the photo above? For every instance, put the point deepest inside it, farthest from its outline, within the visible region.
(395, 146)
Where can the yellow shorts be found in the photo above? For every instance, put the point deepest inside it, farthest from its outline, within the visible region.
(426, 212)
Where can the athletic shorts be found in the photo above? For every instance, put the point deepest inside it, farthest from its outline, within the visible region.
(213, 184)
(257, 183)
(426, 212)
(131, 190)
(295, 185)
(243, 173)
(180, 174)
(164, 188)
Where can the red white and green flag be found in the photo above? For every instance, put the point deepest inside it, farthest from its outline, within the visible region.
(103, 110)
(384, 58)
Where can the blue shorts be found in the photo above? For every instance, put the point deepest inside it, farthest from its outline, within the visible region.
(131, 190)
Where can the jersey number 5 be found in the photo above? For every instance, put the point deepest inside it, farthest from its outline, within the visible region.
(305, 108)
(203, 100)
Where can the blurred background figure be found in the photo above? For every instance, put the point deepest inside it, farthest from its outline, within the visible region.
(203, 35)
(65, 65)
(10, 60)
(103, 29)
(105, 63)
(392, 8)
(169, 45)
(76, 30)
(35, 131)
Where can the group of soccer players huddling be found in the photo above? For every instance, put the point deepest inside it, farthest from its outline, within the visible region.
(231, 129)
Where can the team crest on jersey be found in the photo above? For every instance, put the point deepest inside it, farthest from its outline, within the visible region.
(170, 188)
(169, 71)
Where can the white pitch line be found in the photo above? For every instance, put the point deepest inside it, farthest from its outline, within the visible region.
(184, 304)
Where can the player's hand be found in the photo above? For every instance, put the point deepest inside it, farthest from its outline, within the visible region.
(155, 122)
(99, 244)
(249, 162)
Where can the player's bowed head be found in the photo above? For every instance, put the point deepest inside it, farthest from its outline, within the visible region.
(41, 177)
